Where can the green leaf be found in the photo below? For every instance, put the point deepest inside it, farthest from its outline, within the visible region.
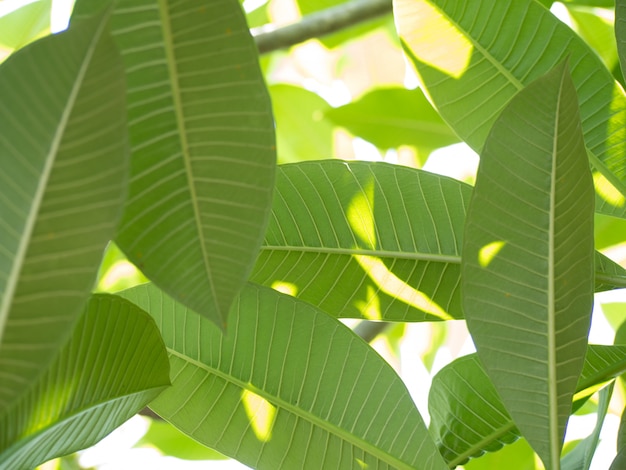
(597, 32)
(391, 117)
(580, 458)
(516, 456)
(620, 461)
(302, 132)
(608, 231)
(171, 442)
(203, 149)
(527, 269)
(474, 57)
(288, 387)
(620, 32)
(467, 414)
(113, 365)
(25, 24)
(63, 154)
(373, 240)
(345, 237)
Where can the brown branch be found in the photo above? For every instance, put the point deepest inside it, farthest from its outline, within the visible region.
(321, 23)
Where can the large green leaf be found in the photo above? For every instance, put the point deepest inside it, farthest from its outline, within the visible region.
(391, 117)
(202, 142)
(367, 240)
(288, 387)
(527, 269)
(373, 240)
(467, 416)
(63, 154)
(113, 365)
(474, 56)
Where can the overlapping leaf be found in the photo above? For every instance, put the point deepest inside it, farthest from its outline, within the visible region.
(202, 142)
(373, 240)
(474, 56)
(63, 154)
(287, 387)
(527, 269)
(468, 417)
(113, 365)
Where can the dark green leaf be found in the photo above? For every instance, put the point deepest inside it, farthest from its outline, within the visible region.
(63, 154)
(527, 268)
(203, 148)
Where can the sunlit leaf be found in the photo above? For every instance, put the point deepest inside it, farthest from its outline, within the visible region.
(113, 365)
(529, 307)
(373, 240)
(287, 387)
(25, 24)
(63, 154)
(473, 57)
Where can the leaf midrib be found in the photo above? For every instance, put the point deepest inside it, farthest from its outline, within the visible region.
(20, 255)
(168, 46)
(600, 276)
(306, 415)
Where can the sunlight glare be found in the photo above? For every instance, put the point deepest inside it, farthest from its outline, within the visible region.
(433, 38)
(361, 217)
(607, 191)
(394, 286)
(261, 414)
(488, 252)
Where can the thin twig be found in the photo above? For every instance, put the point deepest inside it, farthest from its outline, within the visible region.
(320, 23)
